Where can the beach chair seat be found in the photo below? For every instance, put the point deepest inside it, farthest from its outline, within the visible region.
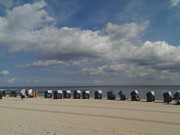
(48, 94)
(135, 96)
(57, 94)
(111, 95)
(77, 94)
(150, 96)
(98, 94)
(85, 94)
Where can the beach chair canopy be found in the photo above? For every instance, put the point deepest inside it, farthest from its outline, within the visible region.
(170, 94)
(111, 92)
(120, 93)
(49, 91)
(177, 95)
(59, 91)
(136, 91)
(87, 91)
(100, 91)
(78, 91)
(30, 92)
(167, 94)
(153, 93)
(23, 91)
(13, 91)
(68, 91)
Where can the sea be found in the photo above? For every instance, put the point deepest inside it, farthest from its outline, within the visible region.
(142, 89)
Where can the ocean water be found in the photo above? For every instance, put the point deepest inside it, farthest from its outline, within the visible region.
(159, 90)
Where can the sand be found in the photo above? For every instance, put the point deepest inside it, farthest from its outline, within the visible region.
(87, 117)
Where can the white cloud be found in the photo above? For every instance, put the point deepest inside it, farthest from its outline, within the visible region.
(12, 80)
(4, 72)
(48, 63)
(174, 3)
(116, 49)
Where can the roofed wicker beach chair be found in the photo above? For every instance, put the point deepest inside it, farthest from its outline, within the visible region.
(98, 94)
(4, 93)
(135, 96)
(111, 95)
(30, 93)
(0, 94)
(67, 93)
(77, 94)
(48, 94)
(121, 95)
(57, 94)
(167, 97)
(150, 96)
(85, 94)
(177, 97)
(13, 93)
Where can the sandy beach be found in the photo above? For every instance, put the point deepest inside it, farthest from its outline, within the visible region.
(87, 117)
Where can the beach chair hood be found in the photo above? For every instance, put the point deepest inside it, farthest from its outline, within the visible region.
(100, 91)
(30, 92)
(49, 91)
(68, 91)
(59, 91)
(152, 93)
(177, 95)
(87, 92)
(120, 93)
(78, 91)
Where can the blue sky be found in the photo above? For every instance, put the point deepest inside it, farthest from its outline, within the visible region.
(89, 42)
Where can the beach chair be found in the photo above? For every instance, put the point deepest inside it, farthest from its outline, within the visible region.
(111, 95)
(58, 94)
(67, 94)
(167, 97)
(48, 94)
(22, 93)
(0, 94)
(77, 94)
(30, 93)
(150, 96)
(3, 92)
(13, 93)
(135, 96)
(121, 95)
(177, 97)
(98, 94)
(85, 94)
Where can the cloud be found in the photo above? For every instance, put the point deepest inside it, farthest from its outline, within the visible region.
(114, 49)
(174, 3)
(48, 63)
(4, 72)
(12, 80)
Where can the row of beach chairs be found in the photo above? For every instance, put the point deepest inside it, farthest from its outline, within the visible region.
(85, 94)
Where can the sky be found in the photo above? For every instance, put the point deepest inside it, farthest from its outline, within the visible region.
(89, 42)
